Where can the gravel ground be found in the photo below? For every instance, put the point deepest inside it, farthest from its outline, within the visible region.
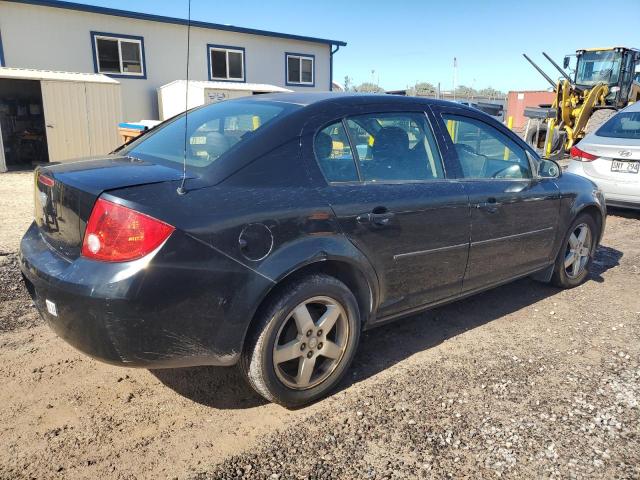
(524, 381)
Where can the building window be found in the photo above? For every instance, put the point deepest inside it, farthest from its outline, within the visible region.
(300, 69)
(118, 55)
(226, 63)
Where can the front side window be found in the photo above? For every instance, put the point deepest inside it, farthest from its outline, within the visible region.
(226, 63)
(333, 153)
(300, 69)
(395, 146)
(119, 55)
(622, 125)
(485, 152)
(211, 132)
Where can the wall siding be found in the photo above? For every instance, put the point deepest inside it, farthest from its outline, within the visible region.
(58, 39)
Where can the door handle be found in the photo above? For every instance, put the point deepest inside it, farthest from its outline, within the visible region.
(490, 206)
(377, 217)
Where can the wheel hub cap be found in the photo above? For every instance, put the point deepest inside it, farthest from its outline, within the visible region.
(578, 251)
(310, 343)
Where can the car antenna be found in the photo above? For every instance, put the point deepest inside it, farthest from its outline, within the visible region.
(181, 190)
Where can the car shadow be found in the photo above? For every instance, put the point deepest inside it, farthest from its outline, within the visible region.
(383, 347)
(623, 212)
(219, 387)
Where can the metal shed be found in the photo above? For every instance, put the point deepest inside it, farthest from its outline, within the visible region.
(48, 116)
(171, 97)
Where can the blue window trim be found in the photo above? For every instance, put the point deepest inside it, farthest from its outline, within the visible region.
(123, 37)
(286, 69)
(176, 21)
(2, 64)
(226, 47)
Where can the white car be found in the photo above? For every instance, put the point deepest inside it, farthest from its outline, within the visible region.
(610, 157)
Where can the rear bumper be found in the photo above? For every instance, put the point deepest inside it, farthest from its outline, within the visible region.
(157, 312)
(617, 193)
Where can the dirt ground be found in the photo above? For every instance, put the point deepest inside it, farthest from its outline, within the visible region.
(524, 381)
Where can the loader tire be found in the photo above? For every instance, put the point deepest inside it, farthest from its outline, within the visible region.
(598, 117)
(538, 143)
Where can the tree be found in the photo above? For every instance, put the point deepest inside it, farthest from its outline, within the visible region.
(491, 93)
(464, 91)
(368, 87)
(348, 83)
(425, 89)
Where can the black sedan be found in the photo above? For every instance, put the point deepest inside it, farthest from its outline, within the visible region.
(270, 231)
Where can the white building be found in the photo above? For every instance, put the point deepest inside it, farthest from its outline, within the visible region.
(56, 94)
(144, 52)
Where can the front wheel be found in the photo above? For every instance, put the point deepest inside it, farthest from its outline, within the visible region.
(576, 254)
(303, 342)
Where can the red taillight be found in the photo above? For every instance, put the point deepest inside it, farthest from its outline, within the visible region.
(118, 234)
(581, 155)
(46, 180)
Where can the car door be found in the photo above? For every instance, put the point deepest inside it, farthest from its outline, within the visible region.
(514, 214)
(386, 183)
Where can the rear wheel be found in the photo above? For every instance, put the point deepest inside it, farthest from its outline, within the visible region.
(576, 254)
(303, 342)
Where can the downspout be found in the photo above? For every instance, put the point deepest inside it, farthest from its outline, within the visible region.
(331, 52)
(2, 64)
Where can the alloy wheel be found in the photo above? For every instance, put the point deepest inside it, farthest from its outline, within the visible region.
(578, 251)
(311, 343)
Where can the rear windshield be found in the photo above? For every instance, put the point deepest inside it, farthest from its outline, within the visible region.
(622, 125)
(208, 132)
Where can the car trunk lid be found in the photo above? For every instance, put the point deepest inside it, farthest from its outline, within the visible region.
(608, 153)
(65, 195)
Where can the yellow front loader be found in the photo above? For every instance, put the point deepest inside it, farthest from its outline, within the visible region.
(605, 80)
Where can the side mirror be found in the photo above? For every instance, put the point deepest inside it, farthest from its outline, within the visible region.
(548, 169)
(566, 61)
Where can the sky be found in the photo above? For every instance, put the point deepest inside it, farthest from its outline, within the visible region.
(403, 42)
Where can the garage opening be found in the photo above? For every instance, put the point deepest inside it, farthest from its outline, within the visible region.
(22, 124)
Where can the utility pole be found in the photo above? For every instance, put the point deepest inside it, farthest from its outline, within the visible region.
(455, 74)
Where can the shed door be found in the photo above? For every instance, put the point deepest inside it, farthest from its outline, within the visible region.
(104, 112)
(65, 114)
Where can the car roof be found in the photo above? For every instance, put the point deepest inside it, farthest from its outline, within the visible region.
(305, 99)
(634, 107)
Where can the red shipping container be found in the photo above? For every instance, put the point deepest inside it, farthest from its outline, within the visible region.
(518, 101)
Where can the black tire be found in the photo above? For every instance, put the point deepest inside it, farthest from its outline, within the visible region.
(562, 278)
(532, 136)
(597, 118)
(257, 361)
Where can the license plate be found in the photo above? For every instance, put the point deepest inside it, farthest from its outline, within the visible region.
(51, 307)
(625, 167)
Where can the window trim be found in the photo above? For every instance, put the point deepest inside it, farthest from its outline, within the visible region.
(226, 49)
(300, 56)
(119, 37)
(449, 140)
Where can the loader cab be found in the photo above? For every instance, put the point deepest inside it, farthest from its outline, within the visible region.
(614, 66)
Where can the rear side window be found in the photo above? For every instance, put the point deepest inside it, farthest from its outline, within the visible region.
(334, 155)
(484, 151)
(395, 146)
(622, 125)
(210, 132)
